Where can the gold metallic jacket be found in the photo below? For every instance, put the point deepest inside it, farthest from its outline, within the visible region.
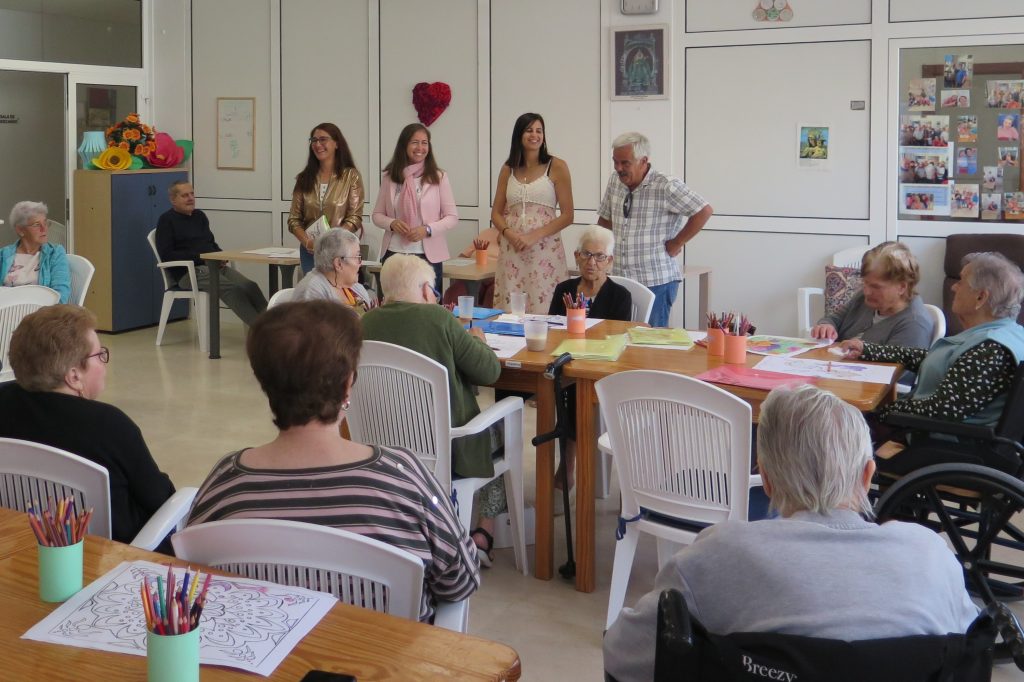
(343, 205)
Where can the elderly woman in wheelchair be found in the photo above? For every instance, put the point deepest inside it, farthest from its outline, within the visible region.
(964, 378)
(814, 570)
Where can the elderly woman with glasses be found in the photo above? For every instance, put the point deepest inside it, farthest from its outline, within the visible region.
(335, 276)
(606, 299)
(61, 369)
(329, 187)
(31, 259)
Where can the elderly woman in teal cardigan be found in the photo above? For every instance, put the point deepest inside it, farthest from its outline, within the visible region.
(964, 378)
(31, 259)
(408, 283)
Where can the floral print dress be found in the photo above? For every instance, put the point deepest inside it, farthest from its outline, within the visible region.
(539, 269)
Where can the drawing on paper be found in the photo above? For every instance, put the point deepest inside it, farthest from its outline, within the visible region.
(247, 624)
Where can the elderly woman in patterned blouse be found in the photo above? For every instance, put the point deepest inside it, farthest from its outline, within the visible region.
(966, 377)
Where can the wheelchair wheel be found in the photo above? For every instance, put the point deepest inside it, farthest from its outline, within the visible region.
(974, 507)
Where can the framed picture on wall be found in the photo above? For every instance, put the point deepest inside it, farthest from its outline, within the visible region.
(640, 62)
(236, 120)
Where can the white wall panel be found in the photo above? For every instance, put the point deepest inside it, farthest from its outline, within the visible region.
(715, 15)
(741, 128)
(929, 10)
(230, 58)
(546, 58)
(426, 46)
(758, 273)
(321, 85)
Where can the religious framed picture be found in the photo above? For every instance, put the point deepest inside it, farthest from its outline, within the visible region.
(640, 62)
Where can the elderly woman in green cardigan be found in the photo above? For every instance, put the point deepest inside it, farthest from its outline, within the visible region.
(408, 283)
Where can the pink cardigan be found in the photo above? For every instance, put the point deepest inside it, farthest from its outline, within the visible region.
(437, 208)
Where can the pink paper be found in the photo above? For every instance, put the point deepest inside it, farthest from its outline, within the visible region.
(751, 378)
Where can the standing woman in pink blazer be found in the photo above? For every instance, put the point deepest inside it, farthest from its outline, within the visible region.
(415, 206)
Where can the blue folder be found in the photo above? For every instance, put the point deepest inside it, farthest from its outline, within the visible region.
(481, 313)
(503, 328)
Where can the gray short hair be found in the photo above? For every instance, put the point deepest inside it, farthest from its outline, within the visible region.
(601, 235)
(813, 448)
(1001, 278)
(641, 145)
(402, 275)
(23, 210)
(172, 189)
(335, 243)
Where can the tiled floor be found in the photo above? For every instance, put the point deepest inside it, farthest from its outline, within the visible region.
(193, 410)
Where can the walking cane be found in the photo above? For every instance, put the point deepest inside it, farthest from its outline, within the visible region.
(554, 372)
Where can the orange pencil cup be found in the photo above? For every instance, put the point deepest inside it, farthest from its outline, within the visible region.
(716, 342)
(736, 349)
(576, 320)
(481, 257)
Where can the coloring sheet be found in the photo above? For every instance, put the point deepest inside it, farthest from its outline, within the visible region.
(781, 346)
(845, 371)
(247, 624)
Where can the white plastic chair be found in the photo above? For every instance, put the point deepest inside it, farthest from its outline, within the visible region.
(33, 472)
(682, 450)
(402, 400)
(57, 233)
(200, 299)
(81, 276)
(15, 304)
(281, 296)
(847, 258)
(357, 570)
(643, 298)
(938, 320)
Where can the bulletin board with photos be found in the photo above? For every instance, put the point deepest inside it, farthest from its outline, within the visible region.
(959, 134)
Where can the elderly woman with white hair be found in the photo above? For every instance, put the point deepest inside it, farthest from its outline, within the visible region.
(408, 283)
(335, 273)
(606, 299)
(814, 570)
(32, 259)
(964, 378)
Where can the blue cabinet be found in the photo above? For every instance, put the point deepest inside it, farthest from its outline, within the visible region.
(114, 211)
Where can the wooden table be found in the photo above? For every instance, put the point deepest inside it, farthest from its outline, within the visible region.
(360, 642)
(524, 372)
(278, 264)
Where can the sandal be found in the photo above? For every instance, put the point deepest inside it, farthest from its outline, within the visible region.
(483, 553)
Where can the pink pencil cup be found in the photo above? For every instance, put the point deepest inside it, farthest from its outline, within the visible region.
(716, 342)
(481, 257)
(736, 349)
(576, 320)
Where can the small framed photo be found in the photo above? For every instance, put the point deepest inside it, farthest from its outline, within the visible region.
(1008, 156)
(991, 206)
(954, 99)
(965, 200)
(921, 94)
(924, 199)
(1013, 206)
(640, 62)
(993, 178)
(967, 129)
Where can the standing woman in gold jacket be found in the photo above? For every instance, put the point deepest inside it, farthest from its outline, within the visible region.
(328, 186)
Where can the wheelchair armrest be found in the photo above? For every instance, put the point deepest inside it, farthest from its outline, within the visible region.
(675, 642)
(929, 424)
(491, 415)
(166, 519)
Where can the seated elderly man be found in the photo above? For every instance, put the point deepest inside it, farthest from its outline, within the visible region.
(408, 283)
(335, 273)
(820, 569)
(183, 233)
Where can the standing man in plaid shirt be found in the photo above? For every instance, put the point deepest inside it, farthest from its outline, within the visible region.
(645, 210)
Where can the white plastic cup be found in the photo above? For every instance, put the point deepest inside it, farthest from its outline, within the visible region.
(536, 334)
(517, 303)
(466, 308)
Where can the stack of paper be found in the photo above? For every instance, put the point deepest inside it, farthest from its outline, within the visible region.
(593, 349)
(653, 336)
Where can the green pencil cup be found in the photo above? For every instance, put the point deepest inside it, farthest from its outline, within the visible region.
(172, 658)
(60, 571)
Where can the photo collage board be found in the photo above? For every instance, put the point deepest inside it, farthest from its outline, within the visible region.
(959, 140)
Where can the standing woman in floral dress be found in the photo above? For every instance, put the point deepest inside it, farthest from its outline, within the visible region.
(531, 185)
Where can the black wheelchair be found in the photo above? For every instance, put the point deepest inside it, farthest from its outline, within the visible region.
(685, 650)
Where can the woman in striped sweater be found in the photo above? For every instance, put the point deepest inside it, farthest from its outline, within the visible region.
(304, 356)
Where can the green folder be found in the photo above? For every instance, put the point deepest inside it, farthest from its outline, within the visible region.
(652, 336)
(593, 349)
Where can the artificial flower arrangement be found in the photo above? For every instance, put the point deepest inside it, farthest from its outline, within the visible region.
(132, 144)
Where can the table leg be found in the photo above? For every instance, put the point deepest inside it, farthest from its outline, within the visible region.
(702, 305)
(545, 519)
(214, 305)
(586, 457)
(287, 276)
(473, 289)
(273, 279)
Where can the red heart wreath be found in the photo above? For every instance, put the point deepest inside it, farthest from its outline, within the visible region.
(430, 100)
